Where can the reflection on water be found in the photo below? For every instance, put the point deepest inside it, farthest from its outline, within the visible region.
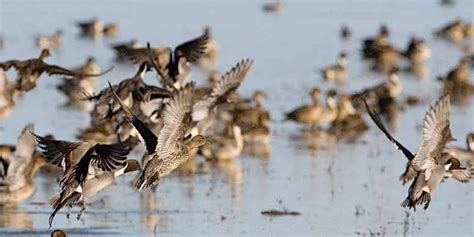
(14, 218)
(315, 140)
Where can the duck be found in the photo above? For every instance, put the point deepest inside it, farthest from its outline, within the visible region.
(105, 104)
(456, 81)
(417, 51)
(75, 88)
(95, 29)
(380, 94)
(58, 233)
(30, 70)
(50, 41)
(258, 133)
(336, 72)
(119, 48)
(82, 163)
(209, 57)
(307, 114)
(345, 32)
(171, 65)
(19, 173)
(223, 147)
(463, 154)
(171, 148)
(386, 58)
(371, 46)
(348, 121)
(204, 109)
(274, 6)
(252, 115)
(9, 94)
(454, 31)
(428, 166)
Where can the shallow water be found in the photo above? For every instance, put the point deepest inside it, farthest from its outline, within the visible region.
(340, 189)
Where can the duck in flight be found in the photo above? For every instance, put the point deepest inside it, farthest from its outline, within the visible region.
(429, 165)
(30, 70)
(82, 163)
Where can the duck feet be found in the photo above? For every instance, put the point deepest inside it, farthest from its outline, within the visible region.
(69, 210)
(81, 212)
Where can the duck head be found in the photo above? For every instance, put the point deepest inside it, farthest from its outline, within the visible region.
(196, 141)
(132, 165)
(470, 141)
(44, 54)
(315, 92)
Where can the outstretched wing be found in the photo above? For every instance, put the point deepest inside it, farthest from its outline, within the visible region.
(176, 118)
(56, 151)
(110, 157)
(230, 81)
(435, 134)
(192, 50)
(57, 70)
(375, 117)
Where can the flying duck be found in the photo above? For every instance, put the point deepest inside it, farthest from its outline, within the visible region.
(30, 70)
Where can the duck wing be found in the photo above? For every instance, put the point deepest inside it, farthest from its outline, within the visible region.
(151, 140)
(25, 148)
(17, 64)
(56, 151)
(57, 70)
(176, 119)
(192, 50)
(435, 134)
(375, 117)
(229, 82)
(110, 157)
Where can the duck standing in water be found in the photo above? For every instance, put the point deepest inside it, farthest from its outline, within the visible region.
(463, 154)
(18, 173)
(223, 147)
(30, 70)
(85, 168)
(96, 29)
(429, 166)
(315, 114)
(336, 72)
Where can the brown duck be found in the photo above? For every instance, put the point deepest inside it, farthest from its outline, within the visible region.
(30, 70)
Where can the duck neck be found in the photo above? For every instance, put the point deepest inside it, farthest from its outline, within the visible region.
(238, 137)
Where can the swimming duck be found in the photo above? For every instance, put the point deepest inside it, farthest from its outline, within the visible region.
(456, 81)
(171, 148)
(428, 166)
(8, 95)
(82, 162)
(75, 88)
(417, 51)
(30, 70)
(19, 173)
(386, 58)
(371, 46)
(336, 72)
(274, 6)
(96, 28)
(222, 147)
(50, 41)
